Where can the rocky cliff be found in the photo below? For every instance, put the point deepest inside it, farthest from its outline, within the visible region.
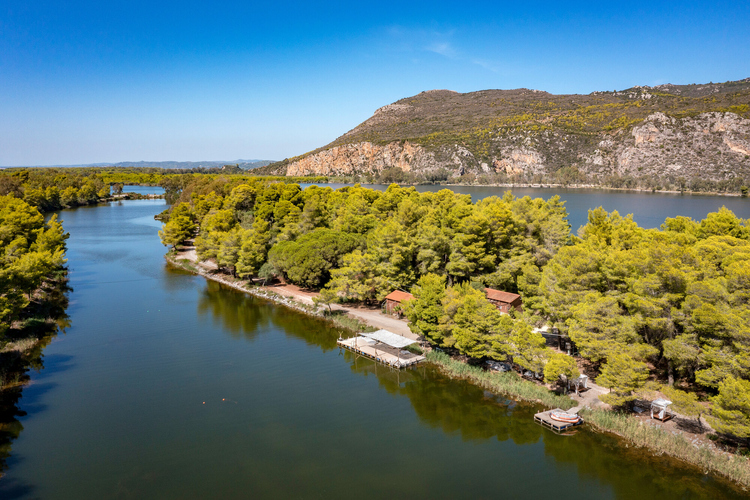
(667, 136)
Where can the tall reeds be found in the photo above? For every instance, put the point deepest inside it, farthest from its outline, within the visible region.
(674, 444)
(508, 383)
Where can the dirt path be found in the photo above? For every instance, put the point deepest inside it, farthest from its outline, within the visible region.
(370, 316)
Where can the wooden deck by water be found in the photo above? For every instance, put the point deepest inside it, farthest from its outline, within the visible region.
(382, 353)
(557, 426)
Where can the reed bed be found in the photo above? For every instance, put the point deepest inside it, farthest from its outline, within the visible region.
(660, 441)
(507, 383)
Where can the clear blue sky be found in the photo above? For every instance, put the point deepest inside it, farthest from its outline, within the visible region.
(110, 81)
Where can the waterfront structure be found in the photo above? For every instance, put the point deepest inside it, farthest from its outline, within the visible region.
(660, 409)
(383, 346)
(559, 420)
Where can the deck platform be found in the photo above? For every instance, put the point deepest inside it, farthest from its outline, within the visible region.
(381, 353)
(557, 426)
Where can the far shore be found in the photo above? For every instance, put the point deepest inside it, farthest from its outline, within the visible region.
(548, 186)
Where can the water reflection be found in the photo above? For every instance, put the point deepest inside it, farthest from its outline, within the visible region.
(244, 315)
(45, 321)
(458, 407)
(455, 407)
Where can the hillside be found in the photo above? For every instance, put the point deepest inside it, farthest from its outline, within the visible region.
(680, 136)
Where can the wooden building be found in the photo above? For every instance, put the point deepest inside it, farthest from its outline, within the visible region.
(392, 303)
(504, 301)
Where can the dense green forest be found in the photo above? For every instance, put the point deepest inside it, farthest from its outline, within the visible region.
(32, 277)
(649, 309)
(32, 252)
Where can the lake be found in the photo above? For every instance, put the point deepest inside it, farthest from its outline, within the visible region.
(169, 386)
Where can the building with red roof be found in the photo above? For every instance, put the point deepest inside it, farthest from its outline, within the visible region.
(504, 301)
(392, 303)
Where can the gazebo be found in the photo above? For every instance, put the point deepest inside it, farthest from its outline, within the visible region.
(660, 409)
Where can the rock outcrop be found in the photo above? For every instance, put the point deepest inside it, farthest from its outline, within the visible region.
(364, 157)
(669, 132)
(710, 144)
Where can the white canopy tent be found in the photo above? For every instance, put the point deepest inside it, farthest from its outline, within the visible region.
(390, 339)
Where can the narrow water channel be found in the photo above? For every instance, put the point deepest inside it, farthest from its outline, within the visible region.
(168, 386)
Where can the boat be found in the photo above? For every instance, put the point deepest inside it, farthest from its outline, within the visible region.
(563, 416)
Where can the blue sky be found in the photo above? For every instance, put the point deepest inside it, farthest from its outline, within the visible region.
(84, 82)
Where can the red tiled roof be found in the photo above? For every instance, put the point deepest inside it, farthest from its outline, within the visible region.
(399, 296)
(500, 296)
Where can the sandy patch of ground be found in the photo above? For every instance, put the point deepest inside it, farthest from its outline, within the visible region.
(370, 315)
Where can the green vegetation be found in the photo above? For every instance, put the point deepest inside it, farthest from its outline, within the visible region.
(669, 304)
(53, 189)
(505, 383)
(32, 258)
(676, 298)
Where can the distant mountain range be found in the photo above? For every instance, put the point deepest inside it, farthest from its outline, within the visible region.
(187, 165)
(663, 135)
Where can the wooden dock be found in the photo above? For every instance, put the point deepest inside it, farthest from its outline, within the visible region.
(387, 355)
(557, 426)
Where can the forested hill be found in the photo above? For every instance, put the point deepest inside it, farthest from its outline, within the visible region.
(670, 136)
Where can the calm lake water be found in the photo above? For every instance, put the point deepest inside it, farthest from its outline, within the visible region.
(649, 209)
(168, 386)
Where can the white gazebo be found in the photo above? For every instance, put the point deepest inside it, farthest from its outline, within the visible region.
(660, 409)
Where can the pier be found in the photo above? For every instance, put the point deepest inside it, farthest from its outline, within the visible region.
(384, 347)
(557, 426)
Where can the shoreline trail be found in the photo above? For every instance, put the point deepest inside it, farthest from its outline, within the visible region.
(374, 317)
(369, 315)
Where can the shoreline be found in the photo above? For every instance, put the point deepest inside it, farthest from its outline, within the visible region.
(641, 433)
(511, 185)
(544, 185)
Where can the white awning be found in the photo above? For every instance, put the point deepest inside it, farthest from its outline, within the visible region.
(389, 338)
(661, 403)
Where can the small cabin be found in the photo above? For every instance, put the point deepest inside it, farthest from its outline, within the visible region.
(392, 303)
(504, 301)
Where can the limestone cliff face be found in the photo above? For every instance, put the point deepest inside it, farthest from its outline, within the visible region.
(364, 157)
(714, 146)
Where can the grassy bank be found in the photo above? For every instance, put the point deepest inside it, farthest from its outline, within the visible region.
(660, 440)
(507, 383)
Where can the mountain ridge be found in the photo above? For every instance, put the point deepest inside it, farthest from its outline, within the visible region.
(186, 165)
(662, 135)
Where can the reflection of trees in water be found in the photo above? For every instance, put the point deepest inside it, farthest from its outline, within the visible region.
(243, 314)
(236, 312)
(454, 406)
(459, 407)
(628, 470)
(42, 323)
